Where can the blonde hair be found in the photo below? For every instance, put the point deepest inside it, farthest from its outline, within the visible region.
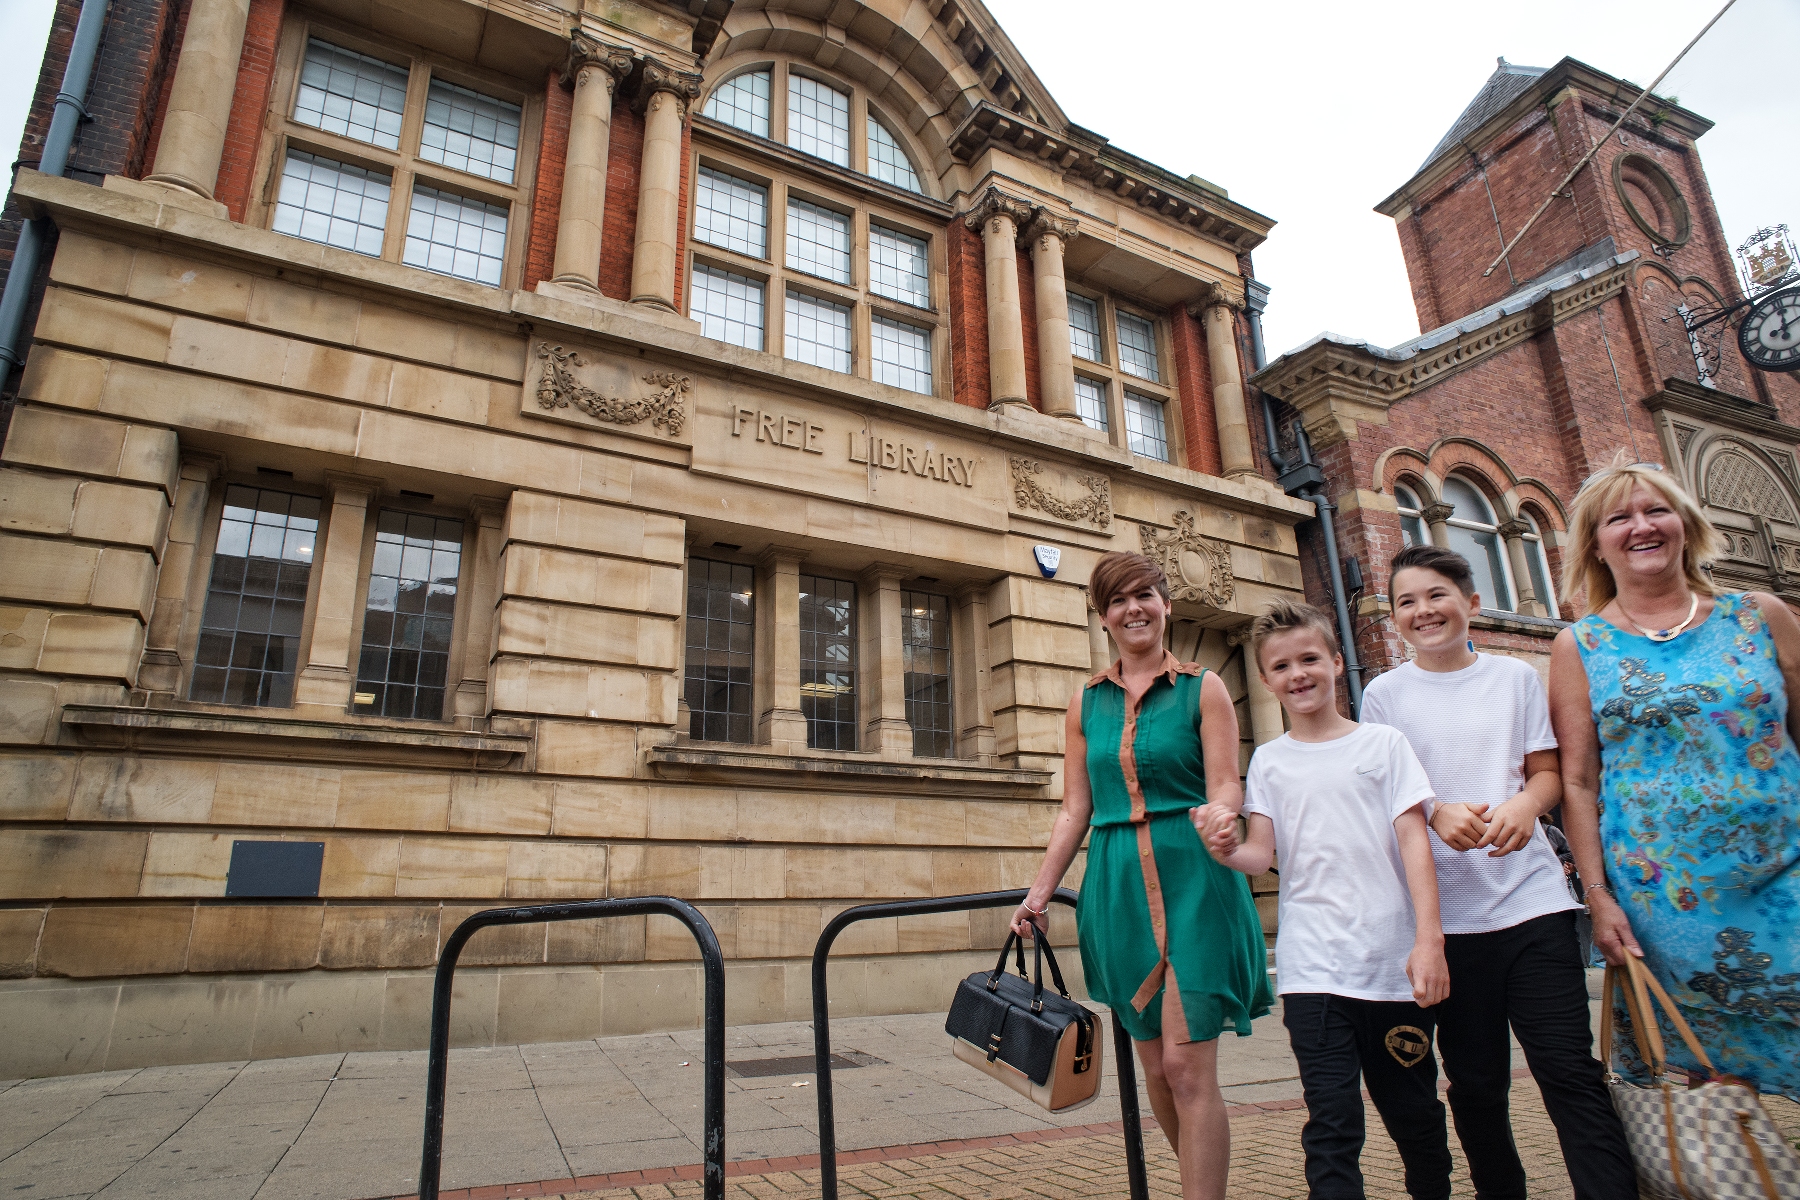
(1584, 575)
(1283, 615)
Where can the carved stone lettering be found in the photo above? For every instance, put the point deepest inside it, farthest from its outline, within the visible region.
(1198, 568)
(1030, 494)
(665, 408)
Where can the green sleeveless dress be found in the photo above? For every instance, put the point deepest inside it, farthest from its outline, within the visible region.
(1154, 903)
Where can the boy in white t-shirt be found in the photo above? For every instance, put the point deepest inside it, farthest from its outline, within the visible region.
(1360, 950)
(1480, 723)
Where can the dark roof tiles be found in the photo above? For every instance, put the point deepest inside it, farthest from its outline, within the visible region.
(1504, 86)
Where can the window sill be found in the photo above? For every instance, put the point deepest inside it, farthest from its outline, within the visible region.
(1510, 622)
(264, 736)
(822, 769)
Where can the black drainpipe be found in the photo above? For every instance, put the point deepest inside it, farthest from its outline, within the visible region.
(1307, 481)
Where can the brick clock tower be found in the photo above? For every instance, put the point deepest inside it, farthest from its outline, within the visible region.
(1478, 433)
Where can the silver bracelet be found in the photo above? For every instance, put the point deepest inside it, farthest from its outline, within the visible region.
(1605, 887)
(1036, 912)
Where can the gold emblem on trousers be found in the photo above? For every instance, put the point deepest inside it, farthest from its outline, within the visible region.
(1408, 1045)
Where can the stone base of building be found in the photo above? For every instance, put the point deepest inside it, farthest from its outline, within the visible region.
(70, 1026)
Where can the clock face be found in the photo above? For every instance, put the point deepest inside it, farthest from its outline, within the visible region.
(1770, 334)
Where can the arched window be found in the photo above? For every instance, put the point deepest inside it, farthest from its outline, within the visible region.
(1475, 535)
(819, 120)
(1412, 524)
(1539, 561)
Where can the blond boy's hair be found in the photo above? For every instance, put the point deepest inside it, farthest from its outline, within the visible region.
(1283, 615)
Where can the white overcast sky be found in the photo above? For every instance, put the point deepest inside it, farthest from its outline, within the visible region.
(1312, 111)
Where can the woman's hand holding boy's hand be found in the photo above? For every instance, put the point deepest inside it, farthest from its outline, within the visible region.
(1461, 826)
(1220, 836)
(1428, 973)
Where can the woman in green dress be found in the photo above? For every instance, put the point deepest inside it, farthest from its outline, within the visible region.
(1170, 940)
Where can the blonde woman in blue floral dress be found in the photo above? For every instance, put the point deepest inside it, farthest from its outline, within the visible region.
(1681, 781)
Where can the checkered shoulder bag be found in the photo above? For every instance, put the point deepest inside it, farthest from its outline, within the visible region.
(1710, 1141)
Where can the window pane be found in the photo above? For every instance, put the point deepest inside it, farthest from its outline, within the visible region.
(817, 332)
(1412, 530)
(818, 120)
(407, 620)
(351, 94)
(720, 664)
(818, 241)
(828, 662)
(1090, 403)
(1084, 328)
(1137, 348)
(1540, 565)
(250, 627)
(1469, 503)
(742, 101)
(1483, 550)
(332, 202)
(470, 132)
(898, 268)
(888, 162)
(453, 235)
(731, 212)
(1405, 499)
(925, 635)
(1144, 430)
(900, 354)
(728, 306)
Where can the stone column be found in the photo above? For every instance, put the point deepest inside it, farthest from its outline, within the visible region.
(1100, 655)
(881, 663)
(1229, 410)
(1048, 235)
(664, 95)
(162, 668)
(329, 677)
(193, 129)
(489, 514)
(998, 218)
(1266, 722)
(780, 724)
(1435, 516)
(971, 703)
(594, 69)
(1530, 603)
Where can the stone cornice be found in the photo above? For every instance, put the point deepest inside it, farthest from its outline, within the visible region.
(1722, 408)
(1089, 156)
(1334, 384)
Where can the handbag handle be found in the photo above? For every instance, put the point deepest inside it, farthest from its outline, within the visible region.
(1040, 949)
(1011, 944)
(1639, 984)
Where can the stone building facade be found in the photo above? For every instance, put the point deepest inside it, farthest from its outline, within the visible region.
(474, 452)
(1478, 433)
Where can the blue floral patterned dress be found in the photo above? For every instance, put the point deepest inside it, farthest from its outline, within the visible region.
(1700, 830)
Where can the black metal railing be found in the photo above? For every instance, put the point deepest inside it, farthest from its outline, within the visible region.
(431, 1160)
(828, 1183)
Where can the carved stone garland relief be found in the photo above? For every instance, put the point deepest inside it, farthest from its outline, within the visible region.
(1198, 567)
(665, 407)
(1030, 494)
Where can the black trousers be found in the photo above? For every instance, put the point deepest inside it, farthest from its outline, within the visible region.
(1336, 1040)
(1530, 977)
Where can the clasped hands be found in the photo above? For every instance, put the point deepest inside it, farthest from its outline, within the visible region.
(1471, 827)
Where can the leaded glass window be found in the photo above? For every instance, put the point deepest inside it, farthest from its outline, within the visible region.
(1474, 535)
(1090, 403)
(732, 213)
(1137, 348)
(818, 120)
(728, 306)
(719, 679)
(818, 241)
(1412, 524)
(888, 162)
(1145, 432)
(828, 662)
(351, 94)
(900, 354)
(407, 622)
(456, 235)
(925, 636)
(470, 132)
(1084, 328)
(817, 332)
(899, 266)
(255, 599)
(332, 202)
(742, 102)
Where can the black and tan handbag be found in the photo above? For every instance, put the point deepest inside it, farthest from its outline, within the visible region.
(1047, 1048)
(1711, 1141)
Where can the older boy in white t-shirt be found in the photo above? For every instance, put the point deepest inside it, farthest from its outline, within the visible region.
(1480, 723)
(1360, 948)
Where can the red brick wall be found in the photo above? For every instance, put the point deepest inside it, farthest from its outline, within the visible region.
(249, 103)
(968, 315)
(154, 134)
(681, 228)
(1028, 314)
(1193, 380)
(546, 197)
(618, 228)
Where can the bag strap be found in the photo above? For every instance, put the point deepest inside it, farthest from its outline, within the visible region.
(1012, 945)
(1056, 974)
(1037, 973)
(1642, 976)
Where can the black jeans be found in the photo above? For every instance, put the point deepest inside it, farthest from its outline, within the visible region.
(1531, 977)
(1335, 1040)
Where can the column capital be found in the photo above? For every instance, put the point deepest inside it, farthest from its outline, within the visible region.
(1046, 224)
(202, 466)
(876, 574)
(587, 51)
(659, 78)
(781, 556)
(1437, 514)
(995, 203)
(1239, 635)
(1518, 527)
(1219, 295)
(488, 511)
(345, 488)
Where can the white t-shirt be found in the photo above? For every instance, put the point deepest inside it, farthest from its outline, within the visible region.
(1472, 729)
(1346, 914)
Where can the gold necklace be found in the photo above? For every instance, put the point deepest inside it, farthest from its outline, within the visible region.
(1662, 635)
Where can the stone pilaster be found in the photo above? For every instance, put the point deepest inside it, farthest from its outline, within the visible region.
(998, 218)
(881, 663)
(595, 70)
(471, 704)
(162, 670)
(972, 702)
(1266, 722)
(780, 724)
(193, 131)
(1218, 315)
(665, 94)
(1049, 234)
(329, 676)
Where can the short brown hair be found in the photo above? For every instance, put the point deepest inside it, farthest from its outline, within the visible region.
(1121, 572)
(1586, 576)
(1283, 615)
(1448, 563)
